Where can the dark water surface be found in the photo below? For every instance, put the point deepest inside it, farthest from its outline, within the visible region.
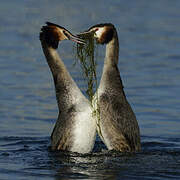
(149, 34)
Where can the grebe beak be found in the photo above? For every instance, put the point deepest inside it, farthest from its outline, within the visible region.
(75, 39)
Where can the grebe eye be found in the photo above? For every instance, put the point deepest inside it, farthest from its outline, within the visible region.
(65, 33)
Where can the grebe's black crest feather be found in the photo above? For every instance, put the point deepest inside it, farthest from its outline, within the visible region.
(47, 35)
(53, 24)
(101, 25)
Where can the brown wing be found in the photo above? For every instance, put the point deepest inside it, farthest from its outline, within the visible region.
(61, 137)
(119, 122)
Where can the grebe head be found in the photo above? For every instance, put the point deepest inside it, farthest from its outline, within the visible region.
(102, 32)
(54, 33)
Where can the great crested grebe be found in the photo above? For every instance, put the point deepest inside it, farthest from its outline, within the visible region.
(117, 126)
(75, 128)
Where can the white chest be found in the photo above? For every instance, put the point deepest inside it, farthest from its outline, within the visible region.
(84, 131)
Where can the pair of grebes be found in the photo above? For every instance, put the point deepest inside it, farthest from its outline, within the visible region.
(75, 129)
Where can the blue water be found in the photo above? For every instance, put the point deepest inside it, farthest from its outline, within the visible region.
(149, 35)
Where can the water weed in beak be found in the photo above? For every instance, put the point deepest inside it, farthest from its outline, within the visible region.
(85, 55)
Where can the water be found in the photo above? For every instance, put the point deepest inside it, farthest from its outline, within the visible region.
(149, 34)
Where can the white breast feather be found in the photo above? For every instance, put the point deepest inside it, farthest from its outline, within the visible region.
(84, 131)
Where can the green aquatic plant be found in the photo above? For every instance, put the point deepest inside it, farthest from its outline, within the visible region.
(85, 55)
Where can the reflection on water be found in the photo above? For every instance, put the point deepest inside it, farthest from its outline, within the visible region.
(149, 34)
(30, 157)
